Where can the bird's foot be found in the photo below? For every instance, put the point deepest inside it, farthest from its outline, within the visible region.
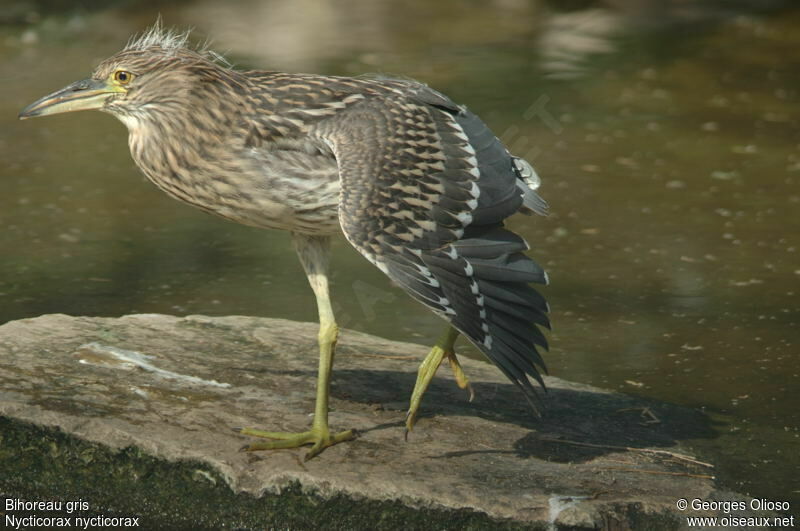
(428, 367)
(461, 377)
(319, 438)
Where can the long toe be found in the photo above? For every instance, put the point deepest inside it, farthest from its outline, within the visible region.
(318, 438)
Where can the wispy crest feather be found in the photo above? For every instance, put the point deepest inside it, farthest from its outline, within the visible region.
(158, 35)
(172, 40)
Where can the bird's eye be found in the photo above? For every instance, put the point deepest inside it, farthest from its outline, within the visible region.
(122, 77)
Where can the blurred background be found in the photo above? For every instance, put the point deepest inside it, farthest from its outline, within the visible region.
(666, 134)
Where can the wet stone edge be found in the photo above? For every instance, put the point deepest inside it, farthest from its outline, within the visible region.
(45, 464)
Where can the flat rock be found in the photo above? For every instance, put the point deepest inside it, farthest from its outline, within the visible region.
(133, 416)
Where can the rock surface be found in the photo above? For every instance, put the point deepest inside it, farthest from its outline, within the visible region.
(134, 415)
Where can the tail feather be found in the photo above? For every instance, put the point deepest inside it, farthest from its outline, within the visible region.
(524, 313)
(489, 243)
(517, 294)
(515, 370)
(518, 328)
(508, 348)
(515, 267)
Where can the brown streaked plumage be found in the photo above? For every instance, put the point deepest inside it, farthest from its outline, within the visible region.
(419, 186)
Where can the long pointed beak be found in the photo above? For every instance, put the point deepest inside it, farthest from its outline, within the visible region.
(79, 96)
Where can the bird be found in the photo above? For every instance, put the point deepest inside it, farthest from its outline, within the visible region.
(419, 185)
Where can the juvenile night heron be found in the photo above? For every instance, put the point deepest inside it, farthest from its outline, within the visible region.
(419, 186)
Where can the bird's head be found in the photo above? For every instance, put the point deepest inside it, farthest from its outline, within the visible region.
(156, 72)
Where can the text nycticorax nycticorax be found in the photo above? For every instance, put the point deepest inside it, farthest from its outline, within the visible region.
(419, 186)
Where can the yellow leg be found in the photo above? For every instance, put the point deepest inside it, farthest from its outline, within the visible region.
(313, 253)
(443, 348)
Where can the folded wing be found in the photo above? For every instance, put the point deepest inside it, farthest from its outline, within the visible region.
(425, 187)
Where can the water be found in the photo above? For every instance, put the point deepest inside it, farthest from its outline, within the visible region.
(668, 142)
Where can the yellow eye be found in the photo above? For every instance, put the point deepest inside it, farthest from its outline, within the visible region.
(123, 77)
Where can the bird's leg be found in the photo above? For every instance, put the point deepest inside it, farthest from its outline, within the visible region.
(461, 377)
(313, 252)
(443, 348)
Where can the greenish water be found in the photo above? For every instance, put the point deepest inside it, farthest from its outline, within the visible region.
(668, 143)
